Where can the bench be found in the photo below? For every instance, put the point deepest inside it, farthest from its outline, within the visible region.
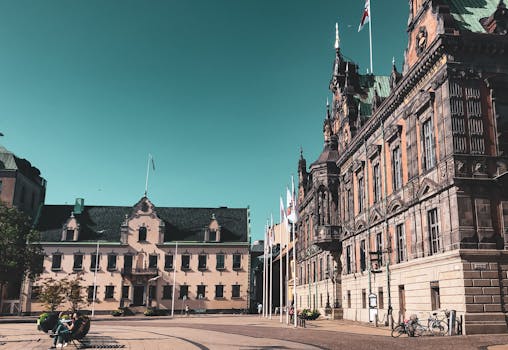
(199, 311)
(78, 332)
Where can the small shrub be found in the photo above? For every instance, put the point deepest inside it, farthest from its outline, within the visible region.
(117, 312)
(308, 314)
(149, 312)
(127, 311)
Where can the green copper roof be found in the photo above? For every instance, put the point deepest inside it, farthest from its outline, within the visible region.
(468, 13)
(369, 84)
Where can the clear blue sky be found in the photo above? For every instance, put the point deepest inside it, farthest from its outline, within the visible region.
(223, 93)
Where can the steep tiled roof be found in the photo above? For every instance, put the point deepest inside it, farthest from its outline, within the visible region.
(182, 224)
(468, 13)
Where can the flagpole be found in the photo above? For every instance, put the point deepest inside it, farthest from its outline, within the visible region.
(271, 271)
(147, 173)
(370, 39)
(287, 272)
(265, 266)
(174, 282)
(280, 267)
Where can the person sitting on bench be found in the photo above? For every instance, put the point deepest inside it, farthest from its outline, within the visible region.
(63, 328)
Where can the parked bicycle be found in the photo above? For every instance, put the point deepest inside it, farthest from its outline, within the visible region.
(403, 328)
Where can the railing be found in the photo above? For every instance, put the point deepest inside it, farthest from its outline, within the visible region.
(327, 234)
(140, 271)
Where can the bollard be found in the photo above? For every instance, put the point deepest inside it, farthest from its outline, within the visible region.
(451, 322)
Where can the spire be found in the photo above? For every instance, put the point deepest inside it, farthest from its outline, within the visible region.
(328, 116)
(395, 76)
(337, 39)
(501, 5)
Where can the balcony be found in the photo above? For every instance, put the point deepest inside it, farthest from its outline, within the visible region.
(140, 272)
(327, 235)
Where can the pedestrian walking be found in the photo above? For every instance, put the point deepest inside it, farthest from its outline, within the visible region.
(260, 308)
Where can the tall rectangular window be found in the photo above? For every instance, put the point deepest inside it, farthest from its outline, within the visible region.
(376, 183)
(348, 299)
(94, 259)
(396, 169)
(401, 243)
(428, 145)
(184, 292)
(125, 292)
(350, 204)
(201, 291)
(380, 298)
(185, 262)
(379, 247)
(237, 261)
(69, 235)
(152, 261)
(127, 262)
(78, 262)
(220, 262)
(167, 292)
(219, 291)
(235, 291)
(348, 259)
(168, 262)
(361, 194)
(363, 259)
(364, 299)
(142, 234)
(321, 269)
(90, 292)
(435, 298)
(56, 264)
(202, 262)
(110, 292)
(434, 235)
(111, 262)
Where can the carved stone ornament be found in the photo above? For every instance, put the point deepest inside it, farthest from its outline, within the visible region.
(421, 41)
(373, 150)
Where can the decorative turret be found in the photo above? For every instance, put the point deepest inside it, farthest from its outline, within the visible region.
(395, 76)
(303, 176)
(327, 124)
(337, 74)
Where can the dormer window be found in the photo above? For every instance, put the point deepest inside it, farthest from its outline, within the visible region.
(142, 234)
(212, 235)
(69, 235)
(212, 231)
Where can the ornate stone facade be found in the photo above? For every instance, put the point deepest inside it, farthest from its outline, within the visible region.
(410, 194)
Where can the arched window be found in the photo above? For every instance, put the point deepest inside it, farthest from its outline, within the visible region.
(142, 233)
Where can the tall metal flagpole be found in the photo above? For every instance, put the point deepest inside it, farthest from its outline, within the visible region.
(295, 215)
(280, 267)
(288, 234)
(174, 282)
(370, 39)
(147, 173)
(265, 266)
(271, 268)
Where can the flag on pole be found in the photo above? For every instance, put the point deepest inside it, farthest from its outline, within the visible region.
(271, 231)
(283, 216)
(291, 203)
(153, 162)
(365, 15)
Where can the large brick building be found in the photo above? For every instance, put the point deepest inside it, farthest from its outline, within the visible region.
(409, 199)
(140, 248)
(23, 187)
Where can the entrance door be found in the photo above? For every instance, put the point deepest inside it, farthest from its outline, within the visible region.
(139, 292)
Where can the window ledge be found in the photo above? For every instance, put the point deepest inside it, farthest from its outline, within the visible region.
(56, 269)
(220, 268)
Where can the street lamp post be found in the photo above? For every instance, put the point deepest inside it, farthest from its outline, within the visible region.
(95, 279)
(95, 273)
(327, 294)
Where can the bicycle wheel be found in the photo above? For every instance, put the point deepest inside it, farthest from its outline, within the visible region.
(398, 331)
(438, 327)
(419, 330)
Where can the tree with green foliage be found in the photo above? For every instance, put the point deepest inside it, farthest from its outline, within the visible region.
(53, 293)
(74, 292)
(20, 251)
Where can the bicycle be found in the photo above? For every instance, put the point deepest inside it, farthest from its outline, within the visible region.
(437, 326)
(403, 328)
